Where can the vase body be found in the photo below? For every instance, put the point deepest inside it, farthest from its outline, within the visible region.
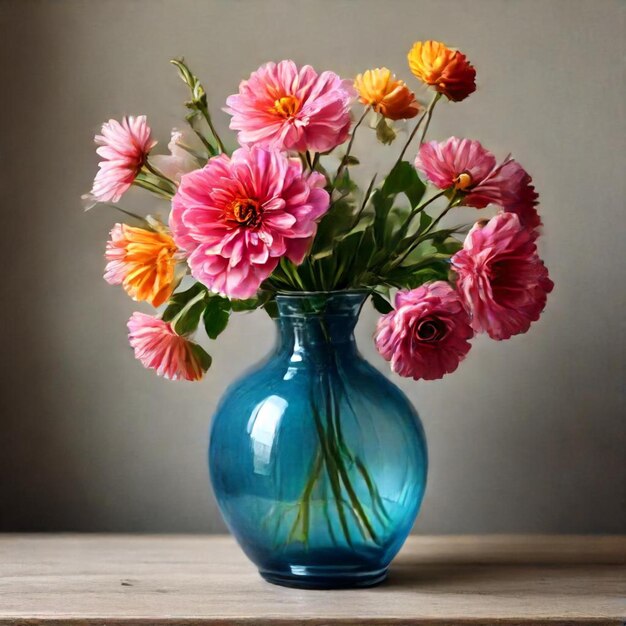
(318, 462)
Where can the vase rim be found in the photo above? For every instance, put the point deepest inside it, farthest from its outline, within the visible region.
(336, 292)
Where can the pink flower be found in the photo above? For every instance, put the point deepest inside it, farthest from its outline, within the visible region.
(466, 166)
(515, 192)
(292, 109)
(237, 217)
(180, 160)
(159, 348)
(502, 280)
(426, 336)
(124, 148)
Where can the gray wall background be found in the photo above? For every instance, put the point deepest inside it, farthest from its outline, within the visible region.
(528, 435)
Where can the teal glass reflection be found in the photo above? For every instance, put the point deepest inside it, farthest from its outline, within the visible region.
(318, 462)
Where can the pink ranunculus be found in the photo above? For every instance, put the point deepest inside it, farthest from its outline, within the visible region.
(427, 334)
(237, 217)
(468, 167)
(159, 348)
(501, 278)
(124, 147)
(515, 192)
(291, 108)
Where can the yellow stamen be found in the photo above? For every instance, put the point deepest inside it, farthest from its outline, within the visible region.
(463, 181)
(287, 106)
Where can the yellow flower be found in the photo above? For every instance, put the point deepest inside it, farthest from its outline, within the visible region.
(388, 96)
(447, 70)
(142, 261)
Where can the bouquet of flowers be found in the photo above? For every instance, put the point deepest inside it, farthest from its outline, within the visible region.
(285, 211)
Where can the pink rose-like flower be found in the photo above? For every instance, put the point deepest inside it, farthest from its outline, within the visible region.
(237, 217)
(289, 108)
(159, 348)
(124, 147)
(426, 336)
(502, 280)
(465, 165)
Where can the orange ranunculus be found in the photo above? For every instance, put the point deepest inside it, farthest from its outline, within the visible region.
(142, 261)
(388, 96)
(448, 71)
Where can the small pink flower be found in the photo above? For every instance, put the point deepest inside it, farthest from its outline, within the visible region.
(426, 336)
(237, 217)
(502, 280)
(179, 161)
(466, 166)
(124, 147)
(159, 348)
(292, 108)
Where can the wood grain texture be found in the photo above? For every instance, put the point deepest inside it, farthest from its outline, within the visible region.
(113, 580)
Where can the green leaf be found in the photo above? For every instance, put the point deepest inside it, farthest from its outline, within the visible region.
(271, 308)
(382, 205)
(403, 178)
(245, 305)
(215, 316)
(384, 131)
(202, 355)
(336, 223)
(178, 301)
(189, 319)
(381, 304)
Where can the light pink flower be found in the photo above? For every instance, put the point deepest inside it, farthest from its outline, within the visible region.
(124, 147)
(159, 348)
(466, 166)
(502, 280)
(426, 336)
(237, 217)
(292, 109)
(180, 160)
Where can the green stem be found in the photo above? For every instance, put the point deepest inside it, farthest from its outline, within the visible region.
(429, 114)
(424, 235)
(423, 116)
(332, 472)
(156, 172)
(344, 160)
(207, 116)
(145, 184)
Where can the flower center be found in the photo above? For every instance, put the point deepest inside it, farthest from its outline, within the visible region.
(245, 212)
(287, 106)
(431, 329)
(463, 181)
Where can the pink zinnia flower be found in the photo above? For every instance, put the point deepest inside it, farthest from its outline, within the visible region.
(124, 147)
(237, 217)
(159, 348)
(426, 336)
(466, 166)
(292, 109)
(502, 280)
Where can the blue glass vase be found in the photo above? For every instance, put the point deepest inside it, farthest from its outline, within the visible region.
(318, 462)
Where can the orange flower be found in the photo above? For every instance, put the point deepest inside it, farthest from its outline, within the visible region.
(388, 96)
(448, 71)
(142, 261)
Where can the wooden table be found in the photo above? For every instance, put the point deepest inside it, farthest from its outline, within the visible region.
(122, 580)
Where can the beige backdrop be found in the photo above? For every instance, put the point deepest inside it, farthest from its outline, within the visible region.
(527, 436)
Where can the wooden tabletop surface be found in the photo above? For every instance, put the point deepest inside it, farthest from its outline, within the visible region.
(174, 580)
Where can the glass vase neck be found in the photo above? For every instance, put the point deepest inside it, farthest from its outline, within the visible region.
(318, 320)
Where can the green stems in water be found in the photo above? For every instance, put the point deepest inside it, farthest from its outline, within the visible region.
(337, 466)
